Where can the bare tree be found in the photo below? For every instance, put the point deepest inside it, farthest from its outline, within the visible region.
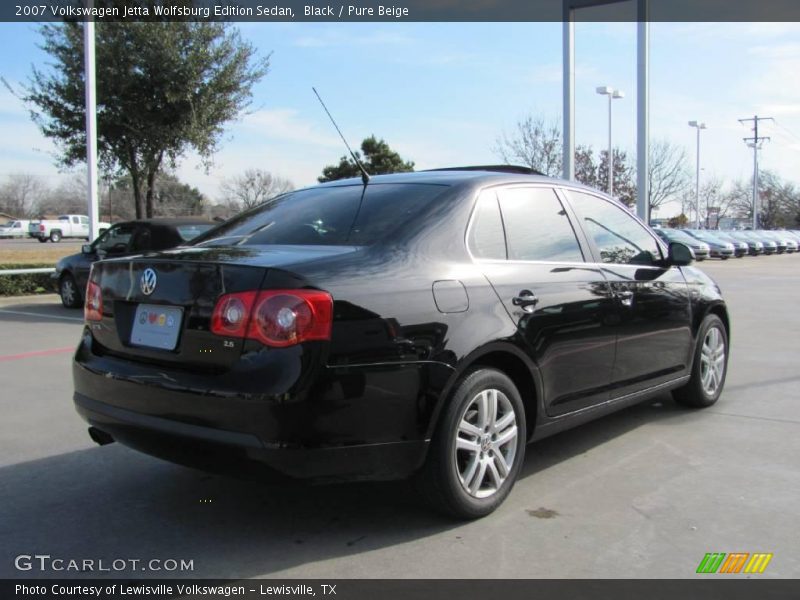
(535, 143)
(668, 173)
(253, 187)
(21, 193)
(70, 196)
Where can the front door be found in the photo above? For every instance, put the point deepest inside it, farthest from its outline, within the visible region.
(654, 342)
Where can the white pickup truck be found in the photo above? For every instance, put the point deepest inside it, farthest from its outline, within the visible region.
(14, 229)
(66, 226)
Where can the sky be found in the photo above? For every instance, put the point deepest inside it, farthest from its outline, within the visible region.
(442, 93)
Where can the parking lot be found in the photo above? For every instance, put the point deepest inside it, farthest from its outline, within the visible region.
(643, 493)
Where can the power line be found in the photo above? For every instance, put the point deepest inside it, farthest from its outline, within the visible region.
(754, 142)
(786, 131)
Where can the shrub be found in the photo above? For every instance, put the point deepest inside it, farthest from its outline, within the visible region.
(19, 285)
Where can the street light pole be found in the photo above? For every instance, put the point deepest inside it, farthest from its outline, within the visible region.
(612, 95)
(698, 125)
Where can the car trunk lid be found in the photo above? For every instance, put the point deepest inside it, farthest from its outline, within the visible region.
(158, 308)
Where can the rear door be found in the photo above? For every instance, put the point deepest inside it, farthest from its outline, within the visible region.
(654, 341)
(561, 303)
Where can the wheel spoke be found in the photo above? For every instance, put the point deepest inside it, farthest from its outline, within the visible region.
(506, 437)
(706, 378)
(469, 473)
(468, 428)
(483, 410)
(479, 477)
(467, 445)
(494, 474)
(492, 416)
(506, 420)
(501, 463)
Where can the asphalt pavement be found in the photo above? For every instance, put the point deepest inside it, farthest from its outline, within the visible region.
(643, 493)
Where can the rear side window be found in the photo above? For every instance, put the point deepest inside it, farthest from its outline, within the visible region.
(619, 237)
(339, 216)
(537, 227)
(486, 236)
(188, 232)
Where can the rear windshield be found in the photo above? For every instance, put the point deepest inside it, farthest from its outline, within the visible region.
(335, 216)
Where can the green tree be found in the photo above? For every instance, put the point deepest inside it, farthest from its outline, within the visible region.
(624, 176)
(678, 222)
(378, 158)
(162, 88)
(171, 197)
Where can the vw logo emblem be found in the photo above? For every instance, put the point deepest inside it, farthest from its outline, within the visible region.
(148, 282)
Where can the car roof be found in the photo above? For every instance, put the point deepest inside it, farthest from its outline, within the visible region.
(465, 176)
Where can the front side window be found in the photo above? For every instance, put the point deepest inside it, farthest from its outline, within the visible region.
(115, 240)
(619, 237)
(537, 227)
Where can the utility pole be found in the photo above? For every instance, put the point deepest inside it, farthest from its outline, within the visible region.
(698, 125)
(754, 143)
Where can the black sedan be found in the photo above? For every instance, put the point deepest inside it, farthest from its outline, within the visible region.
(425, 325)
(123, 239)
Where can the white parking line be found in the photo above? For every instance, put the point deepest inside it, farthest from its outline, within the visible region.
(33, 314)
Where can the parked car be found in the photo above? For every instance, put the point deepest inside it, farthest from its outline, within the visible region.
(717, 248)
(755, 246)
(792, 235)
(784, 243)
(424, 325)
(122, 239)
(14, 229)
(740, 247)
(66, 226)
(701, 249)
(770, 245)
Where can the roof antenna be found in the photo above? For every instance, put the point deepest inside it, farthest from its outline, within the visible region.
(364, 174)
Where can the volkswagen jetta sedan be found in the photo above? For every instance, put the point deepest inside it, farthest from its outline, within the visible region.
(424, 325)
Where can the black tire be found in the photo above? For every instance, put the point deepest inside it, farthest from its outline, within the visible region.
(42, 240)
(694, 394)
(69, 292)
(55, 236)
(440, 480)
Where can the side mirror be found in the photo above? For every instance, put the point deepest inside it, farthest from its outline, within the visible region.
(86, 249)
(680, 255)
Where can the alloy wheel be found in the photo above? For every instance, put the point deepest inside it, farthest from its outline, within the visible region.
(485, 445)
(712, 361)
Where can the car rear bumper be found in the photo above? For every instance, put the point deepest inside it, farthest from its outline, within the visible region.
(348, 424)
(246, 455)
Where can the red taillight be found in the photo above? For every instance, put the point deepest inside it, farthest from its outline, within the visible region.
(93, 309)
(41, 227)
(277, 318)
(232, 313)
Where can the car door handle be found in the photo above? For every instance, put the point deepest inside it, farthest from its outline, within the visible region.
(625, 297)
(525, 299)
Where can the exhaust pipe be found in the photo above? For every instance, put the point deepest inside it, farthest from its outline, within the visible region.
(101, 438)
